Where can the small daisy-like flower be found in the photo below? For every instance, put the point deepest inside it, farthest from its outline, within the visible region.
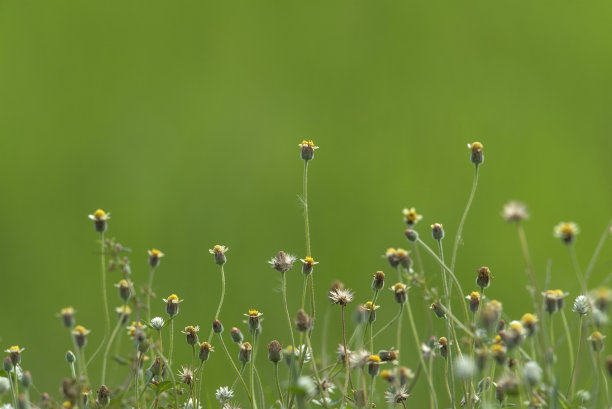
(378, 281)
(135, 327)
(474, 298)
(515, 211)
(172, 304)
(411, 217)
(477, 157)
(244, 355)
(371, 308)
(374, 362)
(529, 322)
(186, 375)
(602, 297)
(553, 300)
(395, 397)
(205, 350)
(596, 339)
(307, 151)
(15, 353)
(341, 296)
(67, 315)
(219, 253)
(123, 313)
(399, 290)
(124, 290)
(515, 334)
(154, 256)
(283, 262)
(391, 256)
(404, 258)
(359, 358)
(157, 323)
(80, 335)
(308, 264)
(224, 394)
(296, 353)
(253, 316)
(100, 218)
(191, 334)
(566, 231)
(581, 305)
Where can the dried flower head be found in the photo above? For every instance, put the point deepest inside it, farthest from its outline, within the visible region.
(359, 358)
(396, 397)
(303, 321)
(103, 396)
(553, 300)
(244, 355)
(483, 279)
(154, 256)
(283, 262)
(186, 375)
(515, 211)
(379, 281)
(205, 350)
(224, 394)
(566, 231)
(464, 367)
(581, 305)
(275, 351)
(308, 264)
(341, 296)
(100, 218)
(307, 149)
(477, 157)
(219, 253)
(411, 217)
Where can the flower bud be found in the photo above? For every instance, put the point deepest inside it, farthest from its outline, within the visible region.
(191, 334)
(26, 379)
(219, 252)
(154, 257)
(217, 326)
(22, 402)
(477, 157)
(80, 335)
(124, 290)
(474, 298)
(303, 321)
(70, 357)
(373, 365)
(436, 307)
(237, 336)
(483, 280)
(7, 364)
(437, 231)
(399, 291)
(275, 351)
(205, 350)
(379, 281)
(411, 235)
(103, 396)
(15, 354)
(244, 355)
(371, 310)
(67, 315)
(308, 148)
(388, 356)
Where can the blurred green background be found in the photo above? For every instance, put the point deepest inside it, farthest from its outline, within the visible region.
(182, 119)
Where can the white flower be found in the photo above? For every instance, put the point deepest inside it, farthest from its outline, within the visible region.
(532, 372)
(324, 401)
(224, 394)
(4, 386)
(157, 323)
(340, 352)
(581, 305)
(393, 397)
(189, 405)
(515, 211)
(283, 262)
(341, 296)
(464, 368)
(358, 359)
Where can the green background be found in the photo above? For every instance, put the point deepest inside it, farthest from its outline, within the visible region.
(182, 119)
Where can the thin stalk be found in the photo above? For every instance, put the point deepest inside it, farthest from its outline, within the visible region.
(449, 332)
(572, 252)
(252, 370)
(171, 342)
(388, 324)
(220, 301)
(110, 343)
(72, 370)
(600, 244)
(284, 290)
(104, 295)
(346, 359)
(307, 230)
(82, 353)
(199, 396)
(464, 217)
(315, 370)
(150, 293)
(244, 385)
(13, 391)
(278, 388)
(568, 335)
(571, 387)
(419, 352)
(605, 379)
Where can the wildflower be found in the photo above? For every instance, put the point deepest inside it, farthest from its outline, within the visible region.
(70, 357)
(303, 321)
(532, 373)
(529, 322)
(474, 298)
(443, 346)
(437, 231)
(80, 335)
(237, 336)
(296, 353)
(600, 318)
(436, 307)
(191, 334)
(253, 320)
(566, 231)
(596, 339)
(5, 386)
(499, 353)
(374, 365)
(67, 315)
(341, 296)
(602, 296)
(581, 305)
(205, 350)
(391, 256)
(103, 396)
(609, 364)
(123, 312)
(411, 217)
(186, 375)
(100, 218)
(399, 290)
(219, 252)
(172, 304)
(482, 357)
(491, 313)
(308, 264)
(405, 374)
(224, 394)
(359, 358)
(379, 281)
(7, 364)
(371, 308)
(483, 280)
(404, 258)
(26, 379)
(154, 257)
(283, 262)
(157, 323)
(308, 148)
(275, 351)
(124, 290)
(553, 300)
(136, 326)
(411, 235)
(388, 356)
(427, 351)
(464, 368)
(244, 355)
(217, 326)
(515, 211)
(395, 397)
(477, 156)
(514, 335)
(340, 353)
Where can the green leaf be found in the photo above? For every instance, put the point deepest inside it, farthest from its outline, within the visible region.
(164, 386)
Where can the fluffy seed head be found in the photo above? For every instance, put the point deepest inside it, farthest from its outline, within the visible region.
(341, 296)
(515, 211)
(581, 305)
(283, 262)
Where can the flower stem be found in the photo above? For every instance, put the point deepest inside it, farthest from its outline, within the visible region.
(104, 295)
(278, 388)
(171, 342)
(110, 343)
(244, 385)
(346, 359)
(284, 289)
(463, 218)
(220, 301)
(449, 331)
(600, 244)
(570, 345)
(571, 387)
(252, 370)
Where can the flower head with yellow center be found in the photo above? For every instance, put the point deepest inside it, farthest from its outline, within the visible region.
(99, 215)
(253, 314)
(566, 231)
(411, 217)
(14, 350)
(172, 299)
(135, 326)
(370, 306)
(155, 253)
(218, 249)
(124, 309)
(80, 330)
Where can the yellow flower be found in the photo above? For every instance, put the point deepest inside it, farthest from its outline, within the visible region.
(411, 217)
(80, 330)
(155, 253)
(566, 231)
(374, 358)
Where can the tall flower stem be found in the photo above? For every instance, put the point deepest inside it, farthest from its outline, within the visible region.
(220, 301)
(449, 330)
(571, 387)
(307, 232)
(605, 379)
(104, 295)
(600, 244)
(432, 390)
(110, 343)
(278, 388)
(463, 218)
(150, 293)
(346, 359)
(244, 385)
(171, 343)
(284, 290)
(568, 335)
(252, 370)
(581, 281)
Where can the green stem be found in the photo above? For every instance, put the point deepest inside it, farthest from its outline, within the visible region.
(220, 301)
(600, 244)
(244, 385)
(570, 345)
(82, 353)
(346, 359)
(252, 370)
(464, 217)
(571, 387)
(150, 293)
(104, 295)
(171, 342)
(284, 290)
(449, 332)
(278, 388)
(110, 343)
(605, 380)
(572, 252)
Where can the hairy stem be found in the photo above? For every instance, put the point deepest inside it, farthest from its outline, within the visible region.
(220, 301)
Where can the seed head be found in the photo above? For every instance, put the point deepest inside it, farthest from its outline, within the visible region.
(157, 323)
(224, 394)
(100, 218)
(205, 350)
(219, 252)
(396, 397)
(443, 346)
(307, 151)
(477, 157)
(103, 396)
(379, 281)
(483, 279)
(244, 355)
(532, 373)
(515, 211)
(581, 305)
(437, 231)
(566, 231)
(186, 375)
(283, 262)
(303, 321)
(464, 368)
(154, 256)
(275, 351)
(341, 296)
